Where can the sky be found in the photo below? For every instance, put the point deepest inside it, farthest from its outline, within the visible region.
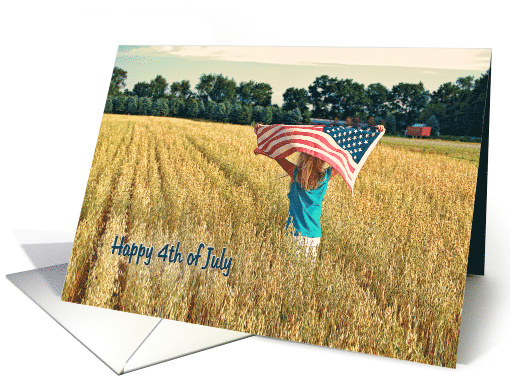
(285, 67)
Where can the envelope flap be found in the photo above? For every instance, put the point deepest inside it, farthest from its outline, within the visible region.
(173, 339)
(111, 335)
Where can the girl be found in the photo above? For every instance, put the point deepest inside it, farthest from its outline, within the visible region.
(309, 181)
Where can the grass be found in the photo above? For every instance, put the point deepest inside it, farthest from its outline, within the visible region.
(390, 274)
(452, 149)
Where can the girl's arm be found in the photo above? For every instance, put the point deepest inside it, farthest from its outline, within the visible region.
(284, 163)
(287, 166)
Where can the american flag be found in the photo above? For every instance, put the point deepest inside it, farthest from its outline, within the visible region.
(345, 148)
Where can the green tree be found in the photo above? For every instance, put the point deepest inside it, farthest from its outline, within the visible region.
(263, 93)
(132, 105)
(306, 117)
(320, 96)
(471, 108)
(142, 89)
(192, 109)
(377, 97)
(407, 102)
(209, 110)
(160, 107)
(181, 108)
(205, 86)
(258, 113)
(144, 106)
(109, 105)
(181, 89)
(254, 93)
(201, 109)
(443, 104)
(224, 89)
(246, 115)
(240, 114)
(119, 104)
(216, 87)
(292, 117)
(158, 87)
(220, 112)
(465, 83)
(390, 123)
(277, 114)
(295, 98)
(228, 107)
(235, 112)
(267, 116)
(331, 97)
(434, 124)
(173, 107)
(117, 82)
(348, 98)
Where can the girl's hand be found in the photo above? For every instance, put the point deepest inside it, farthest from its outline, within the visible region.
(380, 128)
(257, 152)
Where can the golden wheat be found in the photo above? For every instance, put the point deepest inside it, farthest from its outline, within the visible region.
(392, 261)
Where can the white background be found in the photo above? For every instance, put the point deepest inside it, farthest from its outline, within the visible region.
(56, 62)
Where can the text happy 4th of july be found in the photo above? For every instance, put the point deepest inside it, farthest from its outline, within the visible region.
(174, 256)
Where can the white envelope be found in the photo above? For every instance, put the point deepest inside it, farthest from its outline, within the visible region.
(123, 341)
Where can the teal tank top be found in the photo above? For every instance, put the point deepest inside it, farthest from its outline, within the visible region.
(305, 207)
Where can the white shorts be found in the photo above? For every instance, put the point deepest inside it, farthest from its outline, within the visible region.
(310, 244)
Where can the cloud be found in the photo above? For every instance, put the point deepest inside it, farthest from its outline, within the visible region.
(432, 58)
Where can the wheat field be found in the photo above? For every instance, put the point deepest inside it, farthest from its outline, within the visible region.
(389, 279)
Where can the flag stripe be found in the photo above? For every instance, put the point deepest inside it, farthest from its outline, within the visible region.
(319, 138)
(267, 134)
(299, 145)
(344, 148)
(308, 150)
(263, 129)
(312, 142)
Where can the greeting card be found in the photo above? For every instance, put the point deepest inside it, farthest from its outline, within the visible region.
(318, 195)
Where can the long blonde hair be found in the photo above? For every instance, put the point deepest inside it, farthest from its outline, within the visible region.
(311, 171)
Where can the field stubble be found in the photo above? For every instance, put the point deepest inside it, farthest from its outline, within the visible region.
(392, 261)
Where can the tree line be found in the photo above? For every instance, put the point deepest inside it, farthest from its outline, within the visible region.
(453, 109)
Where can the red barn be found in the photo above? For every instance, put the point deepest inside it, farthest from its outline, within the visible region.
(418, 130)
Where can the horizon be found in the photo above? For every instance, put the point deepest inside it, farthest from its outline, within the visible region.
(285, 67)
